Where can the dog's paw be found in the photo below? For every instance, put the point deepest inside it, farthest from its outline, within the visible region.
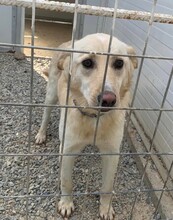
(107, 213)
(40, 138)
(65, 208)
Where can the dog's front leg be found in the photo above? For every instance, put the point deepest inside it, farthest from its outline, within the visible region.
(51, 99)
(109, 167)
(66, 206)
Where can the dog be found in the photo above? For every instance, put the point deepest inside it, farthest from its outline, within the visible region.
(86, 80)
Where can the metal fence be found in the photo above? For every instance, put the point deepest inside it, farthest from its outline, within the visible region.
(99, 11)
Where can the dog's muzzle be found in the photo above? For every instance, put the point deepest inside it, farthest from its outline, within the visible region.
(107, 99)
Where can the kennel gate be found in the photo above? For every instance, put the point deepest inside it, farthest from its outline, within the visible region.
(106, 11)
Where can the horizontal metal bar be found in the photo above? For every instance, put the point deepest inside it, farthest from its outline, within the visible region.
(84, 51)
(90, 10)
(88, 193)
(83, 107)
(51, 21)
(83, 154)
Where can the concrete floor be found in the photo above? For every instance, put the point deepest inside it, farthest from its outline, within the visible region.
(47, 34)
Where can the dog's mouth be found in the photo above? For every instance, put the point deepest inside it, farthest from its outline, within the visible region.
(106, 102)
(85, 112)
(104, 110)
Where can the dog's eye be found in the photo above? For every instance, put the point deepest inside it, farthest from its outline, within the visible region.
(118, 64)
(88, 63)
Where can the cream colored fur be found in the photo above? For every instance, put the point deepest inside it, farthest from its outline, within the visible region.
(86, 85)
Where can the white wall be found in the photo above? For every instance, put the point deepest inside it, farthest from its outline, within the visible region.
(5, 24)
(97, 24)
(155, 73)
(11, 26)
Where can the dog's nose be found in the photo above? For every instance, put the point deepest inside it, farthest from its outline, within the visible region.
(108, 99)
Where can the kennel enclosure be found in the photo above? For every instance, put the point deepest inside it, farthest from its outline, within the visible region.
(151, 41)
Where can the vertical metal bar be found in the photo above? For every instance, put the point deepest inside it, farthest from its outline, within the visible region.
(154, 134)
(137, 83)
(112, 32)
(30, 107)
(14, 25)
(67, 99)
(103, 84)
(70, 70)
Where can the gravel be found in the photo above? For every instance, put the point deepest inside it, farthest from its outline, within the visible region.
(44, 170)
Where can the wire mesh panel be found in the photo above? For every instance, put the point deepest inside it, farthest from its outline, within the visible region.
(32, 174)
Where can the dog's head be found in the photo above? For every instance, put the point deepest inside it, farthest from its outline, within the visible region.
(88, 72)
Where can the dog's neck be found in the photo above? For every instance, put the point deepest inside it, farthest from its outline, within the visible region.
(91, 115)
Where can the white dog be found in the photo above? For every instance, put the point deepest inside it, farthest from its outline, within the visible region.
(87, 74)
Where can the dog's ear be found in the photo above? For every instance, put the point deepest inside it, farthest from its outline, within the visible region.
(131, 51)
(63, 55)
(61, 60)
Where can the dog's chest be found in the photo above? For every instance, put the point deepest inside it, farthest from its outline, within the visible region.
(83, 129)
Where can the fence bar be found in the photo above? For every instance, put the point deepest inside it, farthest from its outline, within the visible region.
(137, 83)
(147, 154)
(30, 107)
(84, 107)
(85, 52)
(125, 192)
(90, 10)
(67, 100)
